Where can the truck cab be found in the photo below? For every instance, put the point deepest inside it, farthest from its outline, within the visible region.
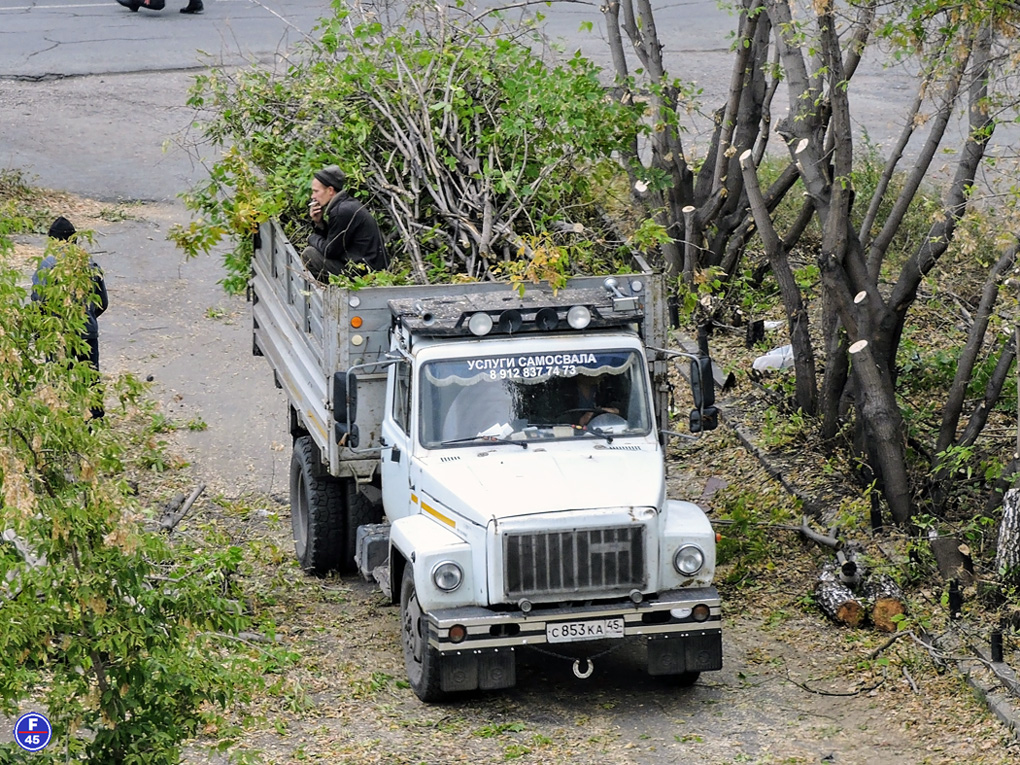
(523, 483)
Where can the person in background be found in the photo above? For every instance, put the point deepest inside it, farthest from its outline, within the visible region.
(193, 6)
(63, 230)
(344, 231)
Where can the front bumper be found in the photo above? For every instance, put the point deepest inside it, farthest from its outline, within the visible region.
(676, 643)
(669, 615)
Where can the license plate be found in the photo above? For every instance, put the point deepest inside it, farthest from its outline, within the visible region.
(596, 629)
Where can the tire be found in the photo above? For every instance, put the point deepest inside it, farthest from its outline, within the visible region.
(317, 511)
(420, 659)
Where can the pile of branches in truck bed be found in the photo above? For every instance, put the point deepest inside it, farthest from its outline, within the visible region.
(478, 157)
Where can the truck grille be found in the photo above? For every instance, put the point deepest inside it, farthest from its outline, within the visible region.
(576, 561)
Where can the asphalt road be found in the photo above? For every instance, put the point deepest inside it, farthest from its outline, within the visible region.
(106, 95)
(91, 91)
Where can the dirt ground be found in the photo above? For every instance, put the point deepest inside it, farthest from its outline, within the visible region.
(793, 689)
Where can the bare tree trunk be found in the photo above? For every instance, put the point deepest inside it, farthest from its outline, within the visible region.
(876, 396)
(934, 246)
(837, 372)
(975, 340)
(796, 313)
(1007, 557)
(937, 130)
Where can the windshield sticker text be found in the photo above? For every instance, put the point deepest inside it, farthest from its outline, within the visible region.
(537, 362)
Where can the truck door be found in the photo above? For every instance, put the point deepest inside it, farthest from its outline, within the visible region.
(396, 436)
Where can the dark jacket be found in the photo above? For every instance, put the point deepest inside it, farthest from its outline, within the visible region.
(95, 308)
(350, 235)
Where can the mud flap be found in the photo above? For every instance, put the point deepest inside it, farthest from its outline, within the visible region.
(485, 670)
(685, 652)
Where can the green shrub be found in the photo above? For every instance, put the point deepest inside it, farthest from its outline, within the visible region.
(126, 641)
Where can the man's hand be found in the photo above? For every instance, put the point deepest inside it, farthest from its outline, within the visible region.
(585, 418)
(315, 211)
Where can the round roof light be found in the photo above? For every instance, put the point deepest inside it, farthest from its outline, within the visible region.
(480, 324)
(547, 319)
(510, 321)
(578, 317)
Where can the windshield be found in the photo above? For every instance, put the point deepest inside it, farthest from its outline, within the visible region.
(539, 396)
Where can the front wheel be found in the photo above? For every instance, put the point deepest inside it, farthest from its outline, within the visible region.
(420, 659)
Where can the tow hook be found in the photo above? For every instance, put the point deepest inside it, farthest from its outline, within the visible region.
(586, 672)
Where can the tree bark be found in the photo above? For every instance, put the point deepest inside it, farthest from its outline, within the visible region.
(837, 601)
(968, 358)
(953, 560)
(884, 431)
(1007, 557)
(981, 127)
(906, 196)
(796, 313)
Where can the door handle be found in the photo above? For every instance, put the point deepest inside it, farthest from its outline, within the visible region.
(394, 454)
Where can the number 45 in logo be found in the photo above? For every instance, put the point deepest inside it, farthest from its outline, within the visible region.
(32, 731)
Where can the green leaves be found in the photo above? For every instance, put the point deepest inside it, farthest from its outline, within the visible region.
(124, 639)
(460, 139)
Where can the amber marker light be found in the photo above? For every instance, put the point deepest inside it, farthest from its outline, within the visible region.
(356, 322)
(457, 633)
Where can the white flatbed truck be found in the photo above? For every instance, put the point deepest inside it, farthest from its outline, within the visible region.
(495, 462)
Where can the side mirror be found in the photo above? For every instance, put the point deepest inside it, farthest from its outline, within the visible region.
(702, 382)
(345, 408)
(704, 416)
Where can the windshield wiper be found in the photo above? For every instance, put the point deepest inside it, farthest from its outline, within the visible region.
(487, 439)
(597, 432)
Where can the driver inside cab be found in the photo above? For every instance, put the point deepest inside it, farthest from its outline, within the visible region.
(594, 397)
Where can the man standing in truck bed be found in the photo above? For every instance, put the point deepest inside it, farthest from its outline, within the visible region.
(344, 232)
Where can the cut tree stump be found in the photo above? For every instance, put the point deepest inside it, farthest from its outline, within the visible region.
(953, 559)
(886, 599)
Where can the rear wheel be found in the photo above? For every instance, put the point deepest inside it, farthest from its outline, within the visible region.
(317, 511)
(420, 659)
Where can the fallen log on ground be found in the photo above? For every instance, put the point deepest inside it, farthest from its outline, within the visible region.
(836, 600)
(886, 601)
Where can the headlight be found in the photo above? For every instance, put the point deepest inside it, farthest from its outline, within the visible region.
(447, 576)
(688, 560)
